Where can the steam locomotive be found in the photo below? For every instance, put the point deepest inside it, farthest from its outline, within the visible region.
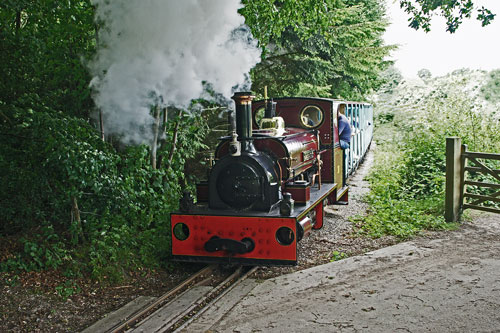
(269, 183)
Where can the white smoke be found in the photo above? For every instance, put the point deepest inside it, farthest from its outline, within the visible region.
(160, 51)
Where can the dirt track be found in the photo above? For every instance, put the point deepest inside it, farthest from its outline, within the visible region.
(445, 284)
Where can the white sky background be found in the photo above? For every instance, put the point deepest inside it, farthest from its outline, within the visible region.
(471, 46)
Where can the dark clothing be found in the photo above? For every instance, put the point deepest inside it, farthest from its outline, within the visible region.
(344, 132)
(344, 144)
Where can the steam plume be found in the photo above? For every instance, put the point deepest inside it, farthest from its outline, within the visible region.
(159, 52)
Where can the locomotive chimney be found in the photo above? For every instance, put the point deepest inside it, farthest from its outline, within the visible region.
(243, 101)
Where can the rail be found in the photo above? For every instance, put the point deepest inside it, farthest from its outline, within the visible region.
(183, 306)
(143, 312)
(457, 196)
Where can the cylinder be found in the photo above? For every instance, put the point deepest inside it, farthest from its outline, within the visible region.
(304, 226)
(243, 101)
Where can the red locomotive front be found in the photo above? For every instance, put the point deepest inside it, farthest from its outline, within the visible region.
(263, 194)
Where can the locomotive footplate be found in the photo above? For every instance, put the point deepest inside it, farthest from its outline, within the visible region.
(244, 237)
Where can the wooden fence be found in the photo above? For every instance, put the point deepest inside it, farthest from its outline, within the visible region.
(457, 160)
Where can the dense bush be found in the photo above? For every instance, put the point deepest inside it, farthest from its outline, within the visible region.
(411, 144)
(408, 198)
(123, 203)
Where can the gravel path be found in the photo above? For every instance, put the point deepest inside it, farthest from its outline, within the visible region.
(336, 235)
(445, 284)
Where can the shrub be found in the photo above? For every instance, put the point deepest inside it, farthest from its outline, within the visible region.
(54, 162)
(410, 197)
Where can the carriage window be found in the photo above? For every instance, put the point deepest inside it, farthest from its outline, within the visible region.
(311, 116)
(259, 115)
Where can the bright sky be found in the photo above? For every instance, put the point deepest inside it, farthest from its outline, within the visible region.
(471, 46)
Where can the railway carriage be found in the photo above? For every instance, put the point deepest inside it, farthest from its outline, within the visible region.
(270, 180)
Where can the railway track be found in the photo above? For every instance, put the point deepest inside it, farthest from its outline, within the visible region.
(187, 307)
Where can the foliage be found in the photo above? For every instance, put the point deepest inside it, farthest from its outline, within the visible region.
(424, 74)
(268, 19)
(423, 167)
(491, 88)
(411, 197)
(67, 289)
(43, 44)
(336, 256)
(391, 78)
(398, 204)
(319, 48)
(124, 203)
(454, 11)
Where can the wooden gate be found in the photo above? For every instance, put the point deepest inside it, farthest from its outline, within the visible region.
(457, 197)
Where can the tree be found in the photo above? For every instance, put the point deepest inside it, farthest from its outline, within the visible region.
(491, 89)
(43, 44)
(424, 74)
(454, 11)
(323, 48)
(391, 77)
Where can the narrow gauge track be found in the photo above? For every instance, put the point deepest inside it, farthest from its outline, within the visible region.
(177, 308)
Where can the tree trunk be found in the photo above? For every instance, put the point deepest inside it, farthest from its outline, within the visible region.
(101, 125)
(165, 115)
(156, 129)
(101, 120)
(96, 28)
(18, 22)
(174, 140)
(76, 217)
(163, 136)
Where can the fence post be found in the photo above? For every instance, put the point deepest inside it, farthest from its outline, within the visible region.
(463, 164)
(454, 174)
